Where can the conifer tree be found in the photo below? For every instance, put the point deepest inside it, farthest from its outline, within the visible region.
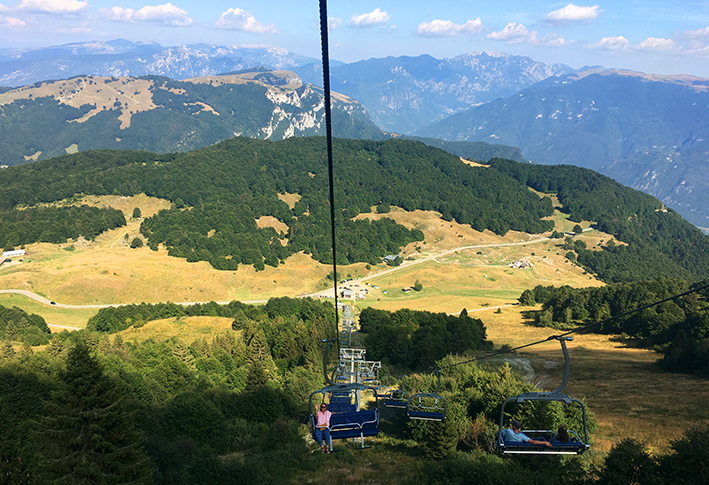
(8, 352)
(26, 349)
(55, 347)
(11, 332)
(104, 345)
(118, 344)
(87, 435)
(183, 353)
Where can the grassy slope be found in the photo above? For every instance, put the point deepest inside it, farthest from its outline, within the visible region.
(108, 271)
(624, 389)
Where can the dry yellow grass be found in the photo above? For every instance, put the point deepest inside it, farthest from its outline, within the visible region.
(57, 318)
(107, 271)
(625, 389)
(186, 329)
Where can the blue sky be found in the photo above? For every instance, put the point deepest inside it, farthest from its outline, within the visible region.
(663, 37)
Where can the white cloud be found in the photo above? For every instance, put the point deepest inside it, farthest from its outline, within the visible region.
(119, 14)
(697, 33)
(238, 19)
(655, 44)
(3, 8)
(573, 13)
(12, 22)
(165, 14)
(553, 40)
(619, 43)
(53, 6)
(446, 27)
(376, 17)
(334, 22)
(515, 33)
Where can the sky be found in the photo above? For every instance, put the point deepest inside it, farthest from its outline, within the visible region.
(659, 37)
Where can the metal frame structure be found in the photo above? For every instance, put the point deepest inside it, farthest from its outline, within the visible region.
(570, 448)
(427, 405)
(348, 420)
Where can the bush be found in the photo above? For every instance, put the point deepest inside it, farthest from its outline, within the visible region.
(136, 243)
(628, 462)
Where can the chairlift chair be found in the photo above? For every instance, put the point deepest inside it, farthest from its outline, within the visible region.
(428, 406)
(575, 446)
(348, 420)
(396, 398)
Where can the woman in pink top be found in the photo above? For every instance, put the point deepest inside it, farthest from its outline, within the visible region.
(322, 428)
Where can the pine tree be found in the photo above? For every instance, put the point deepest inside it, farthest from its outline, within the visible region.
(8, 352)
(11, 332)
(118, 344)
(26, 349)
(104, 345)
(87, 435)
(258, 347)
(55, 347)
(183, 353)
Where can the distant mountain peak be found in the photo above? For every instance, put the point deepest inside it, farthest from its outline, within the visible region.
(699, 84)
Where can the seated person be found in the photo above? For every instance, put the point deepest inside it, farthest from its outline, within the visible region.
(561, 436)
(514, 435)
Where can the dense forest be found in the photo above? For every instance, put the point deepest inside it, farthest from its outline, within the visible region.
(417, 340)
(18, 325)
(660, 242)
(55, 224)
(230, 407)
(219, 192)
(678, 328)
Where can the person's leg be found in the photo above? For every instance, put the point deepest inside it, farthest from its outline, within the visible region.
(328, 440)
(318, 438)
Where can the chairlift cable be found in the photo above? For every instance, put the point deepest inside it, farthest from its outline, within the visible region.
(328, 135)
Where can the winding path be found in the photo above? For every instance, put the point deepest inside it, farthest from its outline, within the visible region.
(405, 264)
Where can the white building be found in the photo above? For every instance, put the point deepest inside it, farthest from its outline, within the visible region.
(12, 254)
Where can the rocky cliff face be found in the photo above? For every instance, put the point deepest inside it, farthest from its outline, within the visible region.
(163, 115)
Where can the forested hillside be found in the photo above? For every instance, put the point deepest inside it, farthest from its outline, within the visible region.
(154, 113)
(678, 328)
(105, 407)
(659, 241)
(219, 193)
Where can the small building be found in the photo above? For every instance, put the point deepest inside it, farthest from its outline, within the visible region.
(12, 254)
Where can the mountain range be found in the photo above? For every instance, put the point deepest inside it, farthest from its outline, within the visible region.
(403, 94)
(155, 113)
(121, 58)
(646, 131)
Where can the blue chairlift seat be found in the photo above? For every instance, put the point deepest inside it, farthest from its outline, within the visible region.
(427, 406)
(346, 421)
(396, 399)
(575, 446)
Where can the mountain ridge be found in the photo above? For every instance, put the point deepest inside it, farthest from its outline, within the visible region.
(648, 132)
(159, 114)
